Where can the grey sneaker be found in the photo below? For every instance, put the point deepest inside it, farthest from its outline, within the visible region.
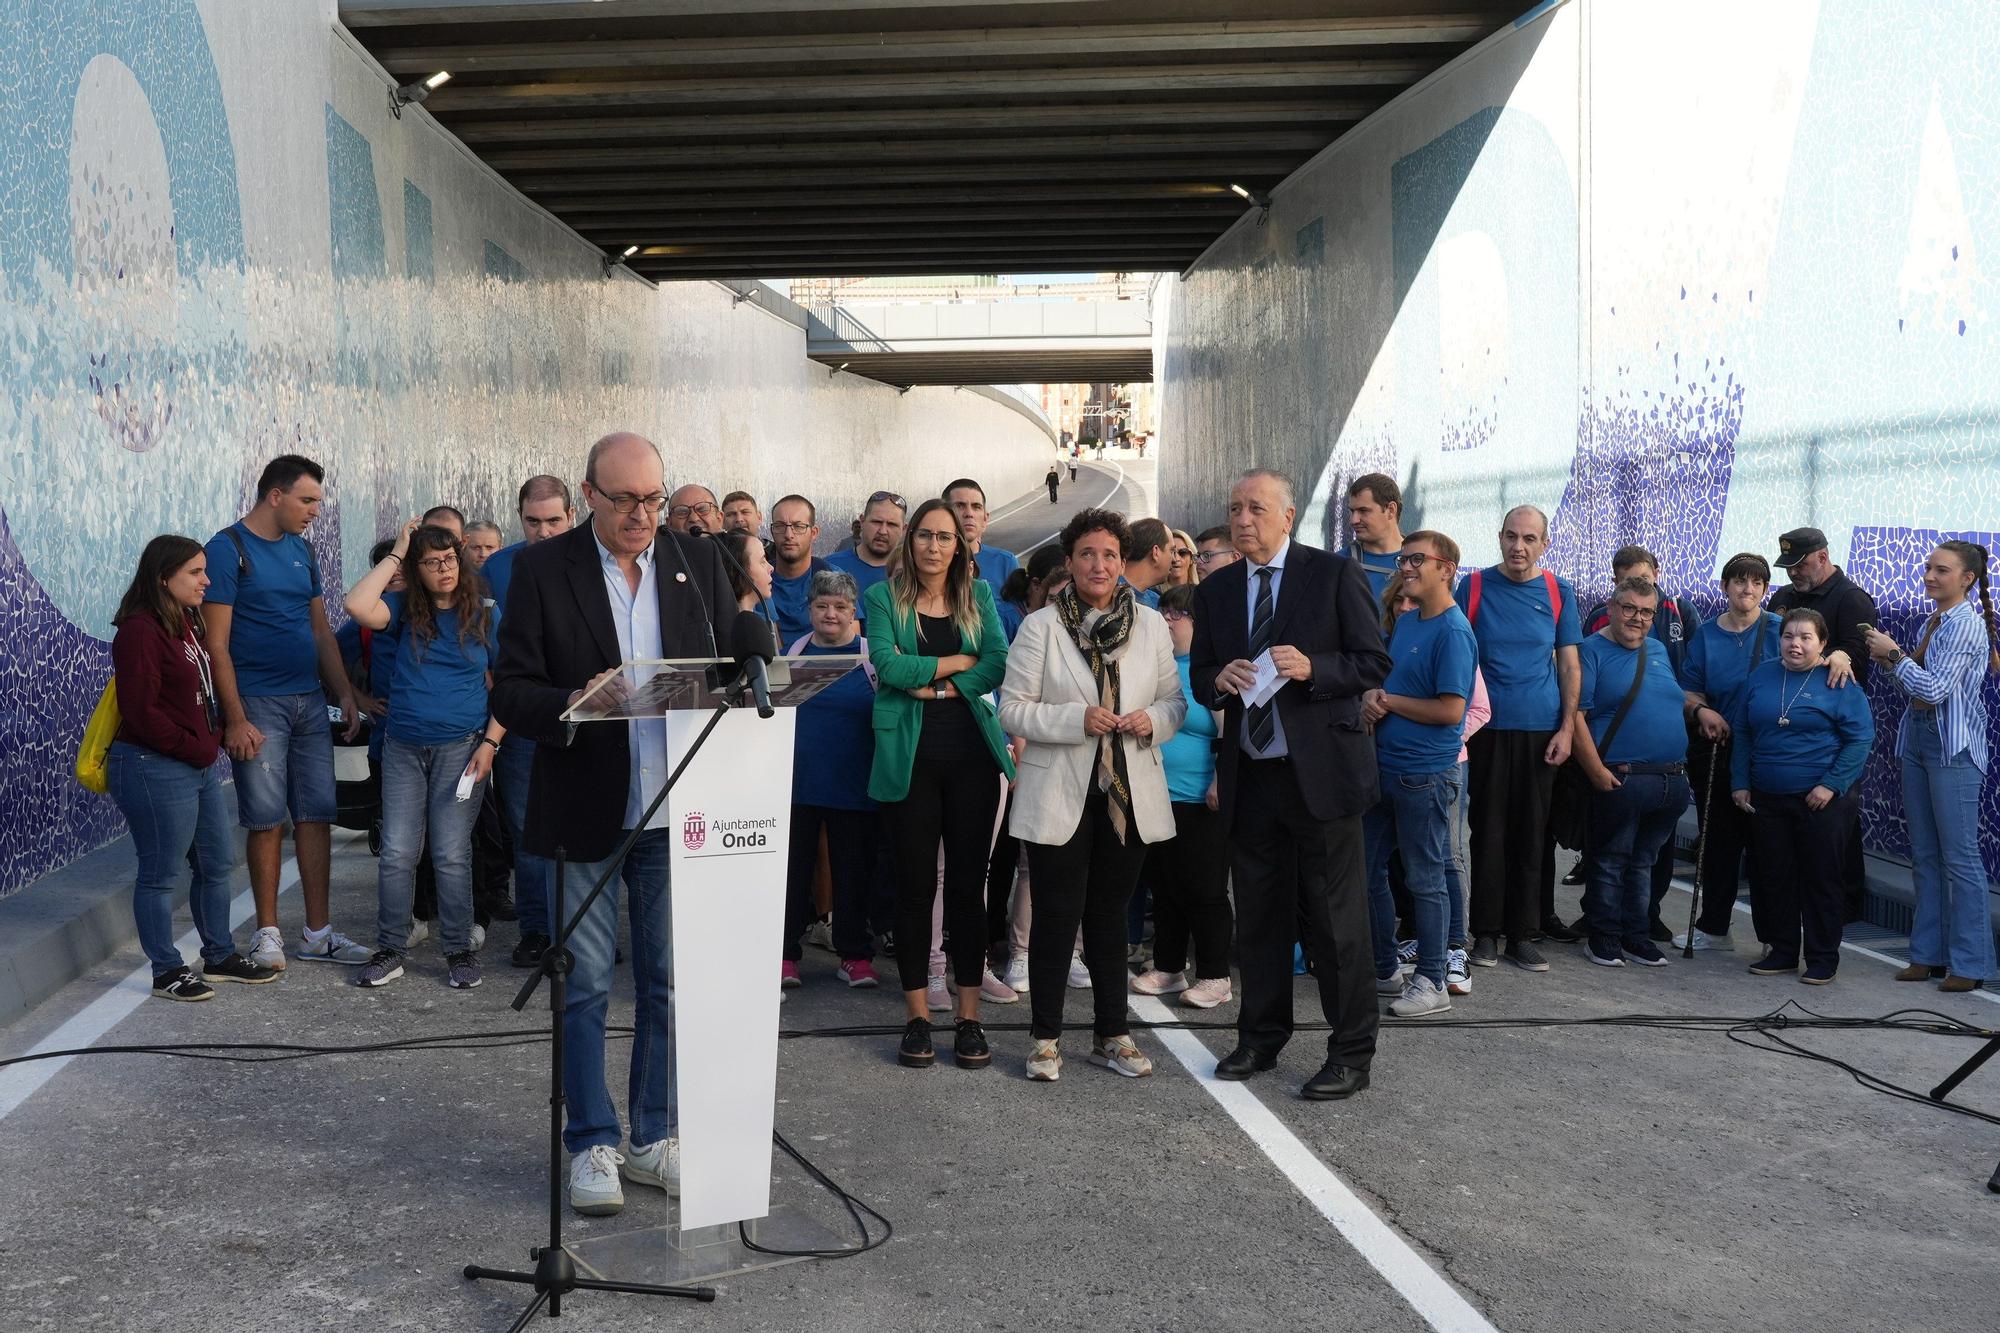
(1422, 996)
(1486, 951)
(656, 1164)
(383, 968)
(420, 930)
(267, 948)
(464, 973)
(1526, 956)
(333, 947)
(1392, 984)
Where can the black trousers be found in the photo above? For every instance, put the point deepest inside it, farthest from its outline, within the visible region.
(1288, 864)
(1725, 835)
(1088, 879)
(850, 854)
(1795, 887)
(1189, 874)
(1510, 814)
(954, 800)
(1001, 868)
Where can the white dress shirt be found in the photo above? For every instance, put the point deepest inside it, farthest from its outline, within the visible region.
(1277, 748)
(636, 615)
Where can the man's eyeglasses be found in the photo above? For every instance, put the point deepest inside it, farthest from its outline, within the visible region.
(777, 528)
(702, 510)
(1630, 612)
(625, 504)
(1415, 559)
(1206, 557)
(934, 537)
(892, 498)
(438, 564)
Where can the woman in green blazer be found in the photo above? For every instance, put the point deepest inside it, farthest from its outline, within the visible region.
(939, 758)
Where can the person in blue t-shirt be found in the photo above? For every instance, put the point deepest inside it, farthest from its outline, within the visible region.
(275, 663)
(1148, 557)
(836, 749)
(794, 529)
(1719, 661)
(1189, 872)
(440, 736)
(881, 532)
(1525, 619)
(1374, 516)
(1800, 748)
(1636, 759)
(1419, 720)
(968, 500)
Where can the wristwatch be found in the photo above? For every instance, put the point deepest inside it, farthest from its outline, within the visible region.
(1895, 656)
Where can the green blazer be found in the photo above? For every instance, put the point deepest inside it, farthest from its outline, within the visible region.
(899, 715)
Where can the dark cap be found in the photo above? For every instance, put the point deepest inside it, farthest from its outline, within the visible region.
(1797, 544)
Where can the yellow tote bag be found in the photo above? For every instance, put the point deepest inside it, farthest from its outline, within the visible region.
(94, 755)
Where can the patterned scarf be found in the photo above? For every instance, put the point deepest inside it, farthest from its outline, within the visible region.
(1097, 644)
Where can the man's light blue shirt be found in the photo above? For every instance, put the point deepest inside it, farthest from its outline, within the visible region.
(637, 618)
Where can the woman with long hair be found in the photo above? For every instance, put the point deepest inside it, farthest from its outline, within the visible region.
(1943, 748)
(1182, 571)
(439, 745)
(935, 639)
(749, 570)
(162, 773)
(1800, 748)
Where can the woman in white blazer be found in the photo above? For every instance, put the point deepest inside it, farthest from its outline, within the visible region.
(1092, 689)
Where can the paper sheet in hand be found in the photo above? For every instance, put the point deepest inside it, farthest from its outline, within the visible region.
(1267, 684)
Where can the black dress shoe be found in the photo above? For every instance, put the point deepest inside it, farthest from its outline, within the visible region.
(528, 953)
(1553, 928)
(1333, 1082)
(1242, 1062)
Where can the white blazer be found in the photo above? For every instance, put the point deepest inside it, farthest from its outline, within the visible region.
(1042, 700)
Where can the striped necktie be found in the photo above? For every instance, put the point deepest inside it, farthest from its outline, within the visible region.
(1261, 721)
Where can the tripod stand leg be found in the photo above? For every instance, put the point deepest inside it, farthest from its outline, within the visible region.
(1965, 1071)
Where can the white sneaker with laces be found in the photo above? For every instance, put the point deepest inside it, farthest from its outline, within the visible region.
(1016, 975)
(1079, 975)
(1422, 996)
(267, 948)
(937, 997)
(478, 937)
(1704, 940)
(332, 947)
(594, 1190)
(420, 930)
(820, 934)
(656, 1164)
(1457, 976)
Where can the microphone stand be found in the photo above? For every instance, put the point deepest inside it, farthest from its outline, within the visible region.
(554, 1274)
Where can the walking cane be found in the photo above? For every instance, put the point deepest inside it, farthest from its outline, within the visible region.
(1700, 847)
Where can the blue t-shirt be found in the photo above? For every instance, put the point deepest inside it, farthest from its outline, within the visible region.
(1654, 730)
(1011, 615)
(1823, 743)
(1719, 661)
(835, 744)
(1518, 634)
(1378, 569)
(994, 565)
(498, 572)
(792, 599)
(270, 625)
(865, 575)
(437, 692)
(1428, 659)
(378, 662)
(1188, 756)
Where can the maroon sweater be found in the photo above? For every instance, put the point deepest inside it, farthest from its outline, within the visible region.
(163, 686)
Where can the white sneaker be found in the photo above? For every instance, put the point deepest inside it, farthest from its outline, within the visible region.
(420, 930)
(1457, 976)
(1157, 982)
(593, 1182)
(267, 948)
(1395, 983)
(1704, 940)
(1017, 973)
(478, 937)
(656, 1164)
(1079, 975)
(937, 997)
(1422, 996)
(332, 947)
(820, 934)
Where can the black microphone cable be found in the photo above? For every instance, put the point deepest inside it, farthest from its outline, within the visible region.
(673, 541)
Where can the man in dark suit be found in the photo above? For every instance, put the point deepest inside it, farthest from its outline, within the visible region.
(1294, 772)
(615, 590)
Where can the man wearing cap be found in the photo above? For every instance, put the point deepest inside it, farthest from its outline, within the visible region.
(1819, 585)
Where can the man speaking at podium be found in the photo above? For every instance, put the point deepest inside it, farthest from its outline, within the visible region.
(617, 589)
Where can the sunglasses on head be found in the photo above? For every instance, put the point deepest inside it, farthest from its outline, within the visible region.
(892, 498)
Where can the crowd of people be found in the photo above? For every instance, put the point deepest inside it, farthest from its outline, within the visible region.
(1353, 764)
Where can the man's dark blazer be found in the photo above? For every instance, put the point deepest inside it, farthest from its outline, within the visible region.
(555, 635)
(1324, 610)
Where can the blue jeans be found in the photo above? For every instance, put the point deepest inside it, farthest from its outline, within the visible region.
(178, 816)
(1454, 865)
(1414, 816)
(1628, 826)
(293, 771)
(420, 800)
(512, 768)
(1953, 926)
(650, 1093)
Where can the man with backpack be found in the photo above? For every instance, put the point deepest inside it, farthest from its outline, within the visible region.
(1525, 621)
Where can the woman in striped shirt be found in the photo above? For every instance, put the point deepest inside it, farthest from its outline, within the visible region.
(1943, 749)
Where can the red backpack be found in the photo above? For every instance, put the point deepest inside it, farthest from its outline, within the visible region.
(1472, 595)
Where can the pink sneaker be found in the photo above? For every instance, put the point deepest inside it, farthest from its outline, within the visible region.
(996, 990)
(860, 974)
(1156, 982)
(1207, 993)
(788, 976)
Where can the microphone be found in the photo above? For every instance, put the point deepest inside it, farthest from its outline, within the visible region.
(751, 636)
(668, 536)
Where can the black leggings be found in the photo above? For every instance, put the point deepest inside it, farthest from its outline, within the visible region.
(1088, 879)
(1189, 874)
(952, 800)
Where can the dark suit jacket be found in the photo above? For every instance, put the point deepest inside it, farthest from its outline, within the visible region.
(1326, 611)
(555, 635)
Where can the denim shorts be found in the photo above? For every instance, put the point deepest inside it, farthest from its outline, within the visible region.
(293, 772)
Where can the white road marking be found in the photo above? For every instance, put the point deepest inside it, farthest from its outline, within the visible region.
(1427, 1291)
(90, 1024)
(1058, 532)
